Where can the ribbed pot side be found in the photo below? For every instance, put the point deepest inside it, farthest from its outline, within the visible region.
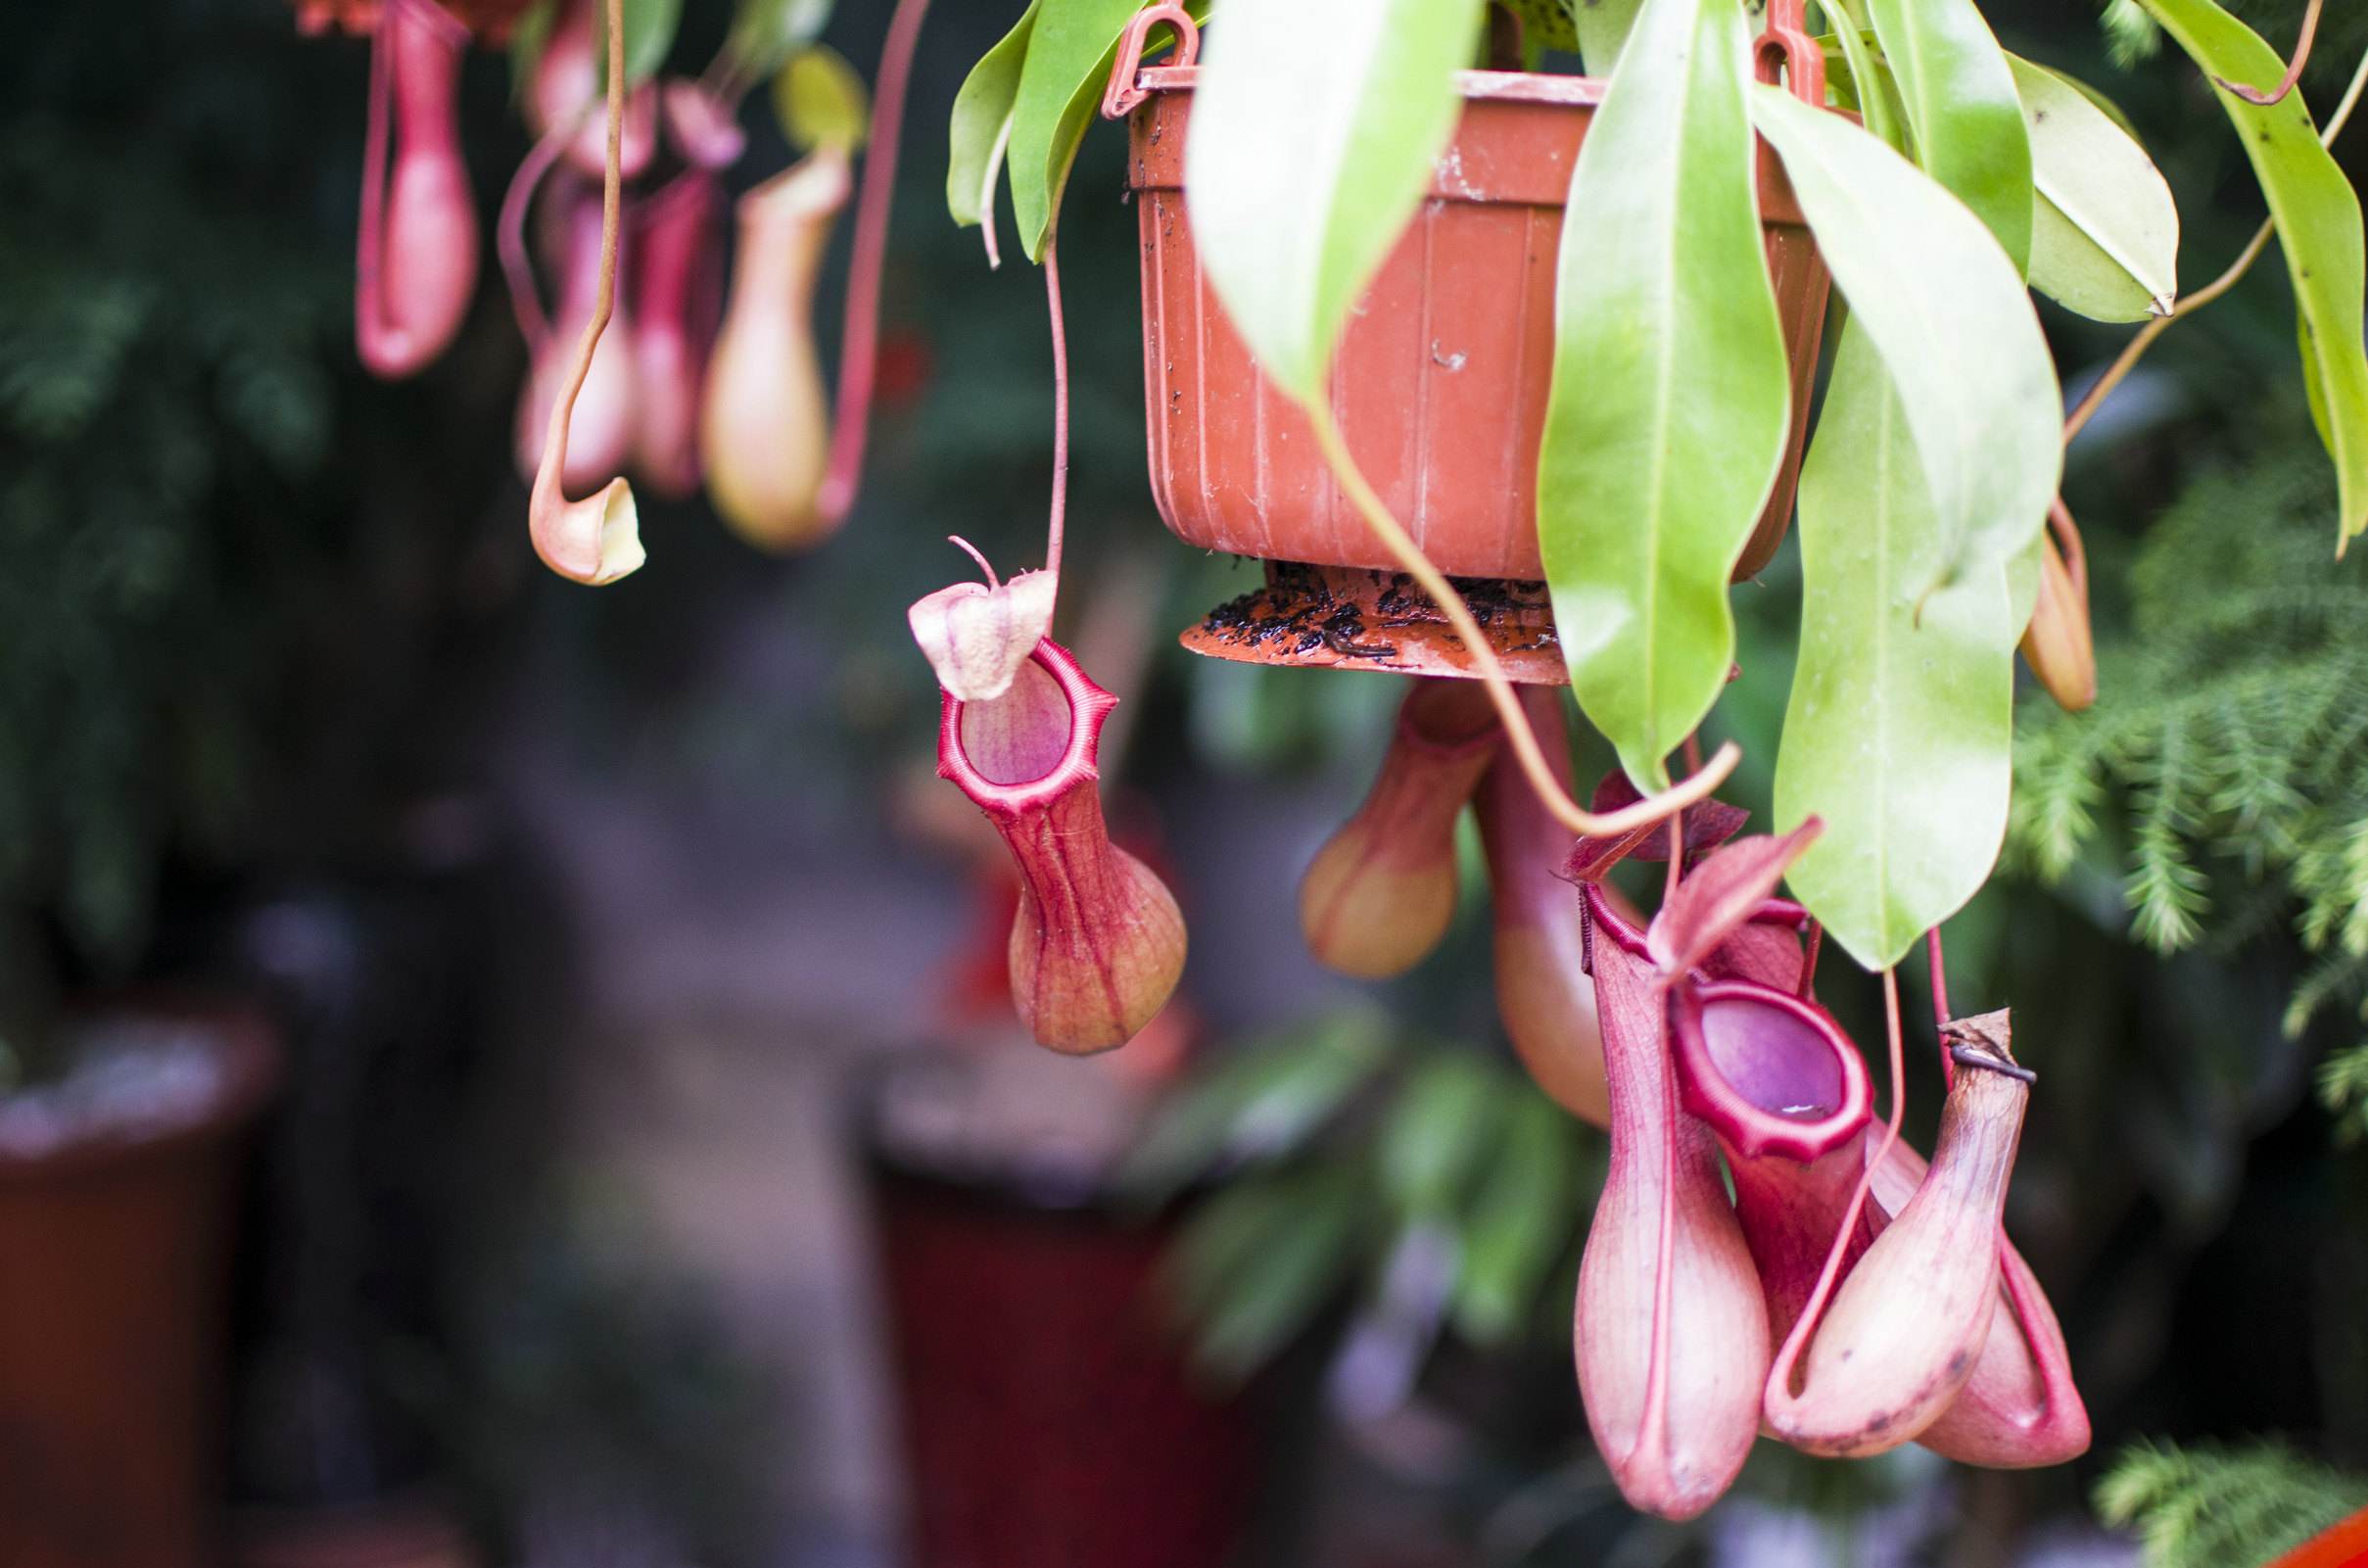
(1442, 372)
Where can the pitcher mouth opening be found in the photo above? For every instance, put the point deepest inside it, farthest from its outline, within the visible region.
(1028, 746)
(1769, 1072)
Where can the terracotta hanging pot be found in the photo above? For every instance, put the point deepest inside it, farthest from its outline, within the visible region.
(1440, 382)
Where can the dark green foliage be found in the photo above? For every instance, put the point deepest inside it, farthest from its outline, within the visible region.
(1432, 1179)
(2210, 1506)
(2226, 765)
(163, 380)
(594, 1378)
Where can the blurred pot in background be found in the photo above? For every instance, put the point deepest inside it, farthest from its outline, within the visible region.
(1047, 1413)
(116, 1188)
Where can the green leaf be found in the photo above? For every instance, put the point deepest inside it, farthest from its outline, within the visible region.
(1313, 134)
(1672, 399)
(982, 125)
(1434, 1132)
(1071, 49)
(650, 29)
(1545, 25)
(2105, 231)
(1901, 724)
(1864, 84)
(1261, 1103)
(1963, 120)
(2318, 220)
(1523, 1216)
(1254, 1266)
(821, 102)
(1603, 27)
(765, 34)
(529, 37)
(1949, 313)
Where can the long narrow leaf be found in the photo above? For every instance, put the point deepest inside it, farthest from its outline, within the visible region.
(1965, 122)
(1071, 49)
(1901, 721)
(1603, 27)
(982, 125)
(2319, 219)
(1671, 398)
(2105, 231)
(1314, 135)
(1869, 86)
(1519, 1217)
(1948, 312)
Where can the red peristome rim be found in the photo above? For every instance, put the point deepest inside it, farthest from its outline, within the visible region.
(1088, 707)
(1602, 916)
(1751, 1130)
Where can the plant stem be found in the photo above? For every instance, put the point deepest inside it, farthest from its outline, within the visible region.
(1057, 524)
(1655, 1419)
(370, 240)
(1940, 1004)
(2294, 71)
(2145, 339)
(1522, 738)
(1789, 1352)
(1654, 1423)
(859, 343)
(509, 232)
(1676, 856)
(612, 188)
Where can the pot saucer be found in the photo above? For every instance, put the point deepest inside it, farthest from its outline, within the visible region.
(1347, 618)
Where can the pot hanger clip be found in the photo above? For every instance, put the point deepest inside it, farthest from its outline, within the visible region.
(1127, 90)
(1786, 53)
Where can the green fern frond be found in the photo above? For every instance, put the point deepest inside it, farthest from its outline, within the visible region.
(2209, 1506)
(2336, 978)
(2131, 35)
(2344, 1091)
(2167, 894)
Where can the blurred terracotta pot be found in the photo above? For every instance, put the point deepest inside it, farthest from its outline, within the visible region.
(112, 1334)
(1047, 1410)
(1441, 375)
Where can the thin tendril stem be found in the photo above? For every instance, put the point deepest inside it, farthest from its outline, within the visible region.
(509, 232)
(1057, 524)
(1940, 977)
(1677, 855)
(1518, 732)
(972, 551)
(1940, 1003)
(1780, 1380)
(858, 343)
(2294, 71)
(370, 232)
(2135, 349)
(1655, 1420)
(1809, 957)
(612, 186)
